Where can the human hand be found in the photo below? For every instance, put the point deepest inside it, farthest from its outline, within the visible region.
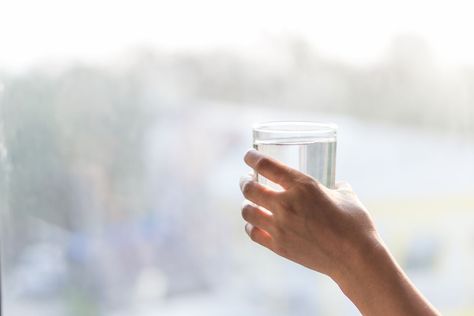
(320, 228)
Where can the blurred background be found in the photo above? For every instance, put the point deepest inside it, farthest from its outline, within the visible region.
(122, 130)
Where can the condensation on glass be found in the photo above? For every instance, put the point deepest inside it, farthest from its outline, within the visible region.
(307, 146)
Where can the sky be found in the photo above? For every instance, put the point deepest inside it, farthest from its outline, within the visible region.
(33, 32)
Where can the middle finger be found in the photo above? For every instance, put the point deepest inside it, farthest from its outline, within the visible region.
(258, 194)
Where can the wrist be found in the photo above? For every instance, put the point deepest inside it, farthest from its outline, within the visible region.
(375, 283)
(360, 263)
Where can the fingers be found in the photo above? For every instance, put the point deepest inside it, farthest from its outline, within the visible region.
(259, 236)
(271, 169)
(257, 193)
(257, 216)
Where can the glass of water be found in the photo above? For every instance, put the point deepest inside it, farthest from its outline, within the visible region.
(309, 147)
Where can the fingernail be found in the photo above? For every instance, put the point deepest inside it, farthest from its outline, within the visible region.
(248, 228)
(251, 156)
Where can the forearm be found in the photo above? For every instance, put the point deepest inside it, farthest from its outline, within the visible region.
(375, 283)
(330, 231)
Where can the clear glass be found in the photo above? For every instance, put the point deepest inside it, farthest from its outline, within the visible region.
(307, 146)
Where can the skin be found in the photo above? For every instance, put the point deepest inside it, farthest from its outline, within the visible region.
(328, 231)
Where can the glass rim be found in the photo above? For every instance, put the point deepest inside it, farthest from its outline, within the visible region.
(309, 127)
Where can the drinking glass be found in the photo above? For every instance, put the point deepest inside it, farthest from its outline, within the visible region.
(309, 147)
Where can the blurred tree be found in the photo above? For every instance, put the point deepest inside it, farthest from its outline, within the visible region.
(84, 125)
(38, 175)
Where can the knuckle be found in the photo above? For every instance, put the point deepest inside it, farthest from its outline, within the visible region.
(285, 205)
(263, 163)
(316, 184)
(309, 185)
(253, 234)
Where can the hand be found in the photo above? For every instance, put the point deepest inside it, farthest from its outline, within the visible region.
(329, 231)
(320, 228)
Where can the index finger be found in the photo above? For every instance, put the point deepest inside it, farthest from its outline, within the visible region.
(271, 168)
